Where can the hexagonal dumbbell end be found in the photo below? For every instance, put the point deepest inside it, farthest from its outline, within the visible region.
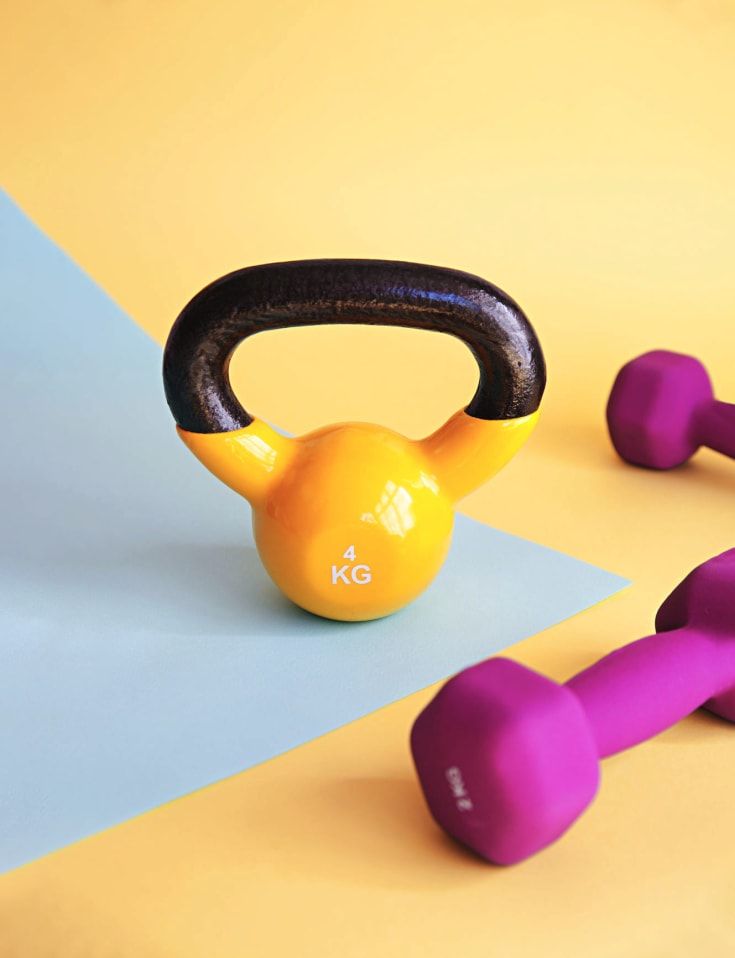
(662, 409)
(508, 759)
(705, 603)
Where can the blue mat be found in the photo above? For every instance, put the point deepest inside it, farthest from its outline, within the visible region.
(144, 653)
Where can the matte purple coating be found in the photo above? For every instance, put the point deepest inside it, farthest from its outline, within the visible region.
(662, 409)
(506, 759)
(509, 759)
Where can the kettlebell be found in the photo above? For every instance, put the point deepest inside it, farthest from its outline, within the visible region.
(352, 521)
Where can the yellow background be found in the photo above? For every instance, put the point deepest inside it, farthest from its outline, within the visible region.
(580, 155)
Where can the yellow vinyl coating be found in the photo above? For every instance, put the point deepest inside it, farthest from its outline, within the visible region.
(466, 452)
(353, 521)
(247, 460)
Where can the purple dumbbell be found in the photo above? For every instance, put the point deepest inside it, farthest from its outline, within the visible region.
(662, 409)
(509, 759)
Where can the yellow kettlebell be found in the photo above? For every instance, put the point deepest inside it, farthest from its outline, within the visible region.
(352, 521)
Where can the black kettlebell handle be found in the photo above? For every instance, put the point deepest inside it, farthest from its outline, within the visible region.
(370, 292)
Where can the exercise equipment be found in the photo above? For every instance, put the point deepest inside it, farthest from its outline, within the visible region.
(509, 759)
(352, 521)
(662, 409)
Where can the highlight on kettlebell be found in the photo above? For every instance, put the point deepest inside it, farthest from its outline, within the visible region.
(353, 521)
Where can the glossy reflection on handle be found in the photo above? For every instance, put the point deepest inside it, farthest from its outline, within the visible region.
(370, 292)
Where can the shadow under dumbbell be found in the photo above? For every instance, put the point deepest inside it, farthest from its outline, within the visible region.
(701, 727)
(590, 444)
(384, 821)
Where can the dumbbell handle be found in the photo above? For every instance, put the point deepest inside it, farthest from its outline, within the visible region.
(643, 688)
(714, 426)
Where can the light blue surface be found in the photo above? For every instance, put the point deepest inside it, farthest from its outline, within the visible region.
(143, 651)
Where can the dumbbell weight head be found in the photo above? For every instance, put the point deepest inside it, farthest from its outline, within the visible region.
(705, 601)
(652, 408)
(506, 759)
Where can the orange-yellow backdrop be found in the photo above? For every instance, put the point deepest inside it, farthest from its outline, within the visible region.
(579, 154)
